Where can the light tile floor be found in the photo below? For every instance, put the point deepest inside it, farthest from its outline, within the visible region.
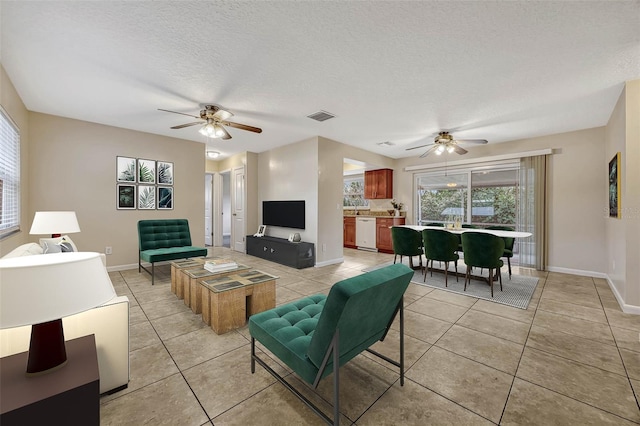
(573, 357)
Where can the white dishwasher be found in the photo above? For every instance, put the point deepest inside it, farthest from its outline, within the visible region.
(366, 233)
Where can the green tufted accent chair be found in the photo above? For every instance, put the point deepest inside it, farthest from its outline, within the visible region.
(508, 244)
(482, 250)
(406, 242)
(316, 335)
(161, 240)
(440, 245)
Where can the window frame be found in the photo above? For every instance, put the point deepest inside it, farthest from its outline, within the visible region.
(10, 175)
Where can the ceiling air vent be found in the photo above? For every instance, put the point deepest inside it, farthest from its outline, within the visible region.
(386, 143)
(321, 116)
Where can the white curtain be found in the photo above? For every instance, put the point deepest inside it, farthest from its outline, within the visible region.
(532, 212)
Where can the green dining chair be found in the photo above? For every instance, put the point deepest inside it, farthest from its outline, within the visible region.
(466, 226)
(508, 244)
(440, 245)
(434, 224)
(406, 242)
(482, 250)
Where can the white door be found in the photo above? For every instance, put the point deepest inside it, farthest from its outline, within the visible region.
(238, 207)
(208, 209)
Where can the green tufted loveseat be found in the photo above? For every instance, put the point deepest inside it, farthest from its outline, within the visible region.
(160, 240)
(316, 335)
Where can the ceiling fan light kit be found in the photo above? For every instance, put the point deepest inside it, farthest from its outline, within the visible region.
(213, 154)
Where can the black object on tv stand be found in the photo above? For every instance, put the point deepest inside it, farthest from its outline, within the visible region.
(280, 250)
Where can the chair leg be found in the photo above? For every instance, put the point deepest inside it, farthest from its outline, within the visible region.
(410, 261)
(153, 273)
(456, 265)
(500, 278)
(509, 263)
(336, 385)
(466, 278)
(426, 269)
(491, 280)
(395, 256)
(446, 270)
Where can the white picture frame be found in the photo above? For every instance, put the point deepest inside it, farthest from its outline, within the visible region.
(261, 230)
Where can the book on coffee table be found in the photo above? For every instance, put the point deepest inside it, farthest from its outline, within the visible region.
(216, 265)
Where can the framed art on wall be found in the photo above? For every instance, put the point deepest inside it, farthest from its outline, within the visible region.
(126, 197)
(146, 197)
(125, 169)
(615, 206)
(146, 171)
(165, 173)
(165, 198)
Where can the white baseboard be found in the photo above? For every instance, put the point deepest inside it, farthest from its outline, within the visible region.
(627, 309)
(117, 268)
(330, 262)
(580, 272)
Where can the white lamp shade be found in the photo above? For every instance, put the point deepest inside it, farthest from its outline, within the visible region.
(54, 223)
(40, 288)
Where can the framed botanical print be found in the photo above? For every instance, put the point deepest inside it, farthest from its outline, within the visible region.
(126, 197)
(146, 171)
(125, 169)
(146, 197)
(165, 198)
(615, 209)
(165, 173)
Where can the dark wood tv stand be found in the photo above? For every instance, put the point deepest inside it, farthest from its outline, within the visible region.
(297, 255)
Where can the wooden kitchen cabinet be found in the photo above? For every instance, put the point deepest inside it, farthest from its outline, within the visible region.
(383, 232)
(378, 184)
(349, 232)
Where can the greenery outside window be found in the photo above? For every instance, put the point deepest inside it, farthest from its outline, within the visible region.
(9, 175)
(484, 197)
(354, 192)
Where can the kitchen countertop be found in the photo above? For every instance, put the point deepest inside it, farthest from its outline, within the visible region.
(382, 216)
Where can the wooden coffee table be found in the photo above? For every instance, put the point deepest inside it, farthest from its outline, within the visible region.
(192, 291)
(228, 301)
(176, 273)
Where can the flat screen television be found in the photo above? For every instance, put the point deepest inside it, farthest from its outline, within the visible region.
(286, 214)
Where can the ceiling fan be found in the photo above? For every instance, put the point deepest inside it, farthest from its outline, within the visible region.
(213, 119)
(445, 142)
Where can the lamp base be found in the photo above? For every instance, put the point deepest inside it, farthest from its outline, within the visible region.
(47, 351)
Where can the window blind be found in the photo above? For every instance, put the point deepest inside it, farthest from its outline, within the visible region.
(9, 175)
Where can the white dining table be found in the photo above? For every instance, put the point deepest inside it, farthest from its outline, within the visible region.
(496, 232)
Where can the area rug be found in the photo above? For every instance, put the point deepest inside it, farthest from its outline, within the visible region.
(516, 291)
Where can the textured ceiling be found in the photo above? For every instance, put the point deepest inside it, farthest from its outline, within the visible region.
(389, 70)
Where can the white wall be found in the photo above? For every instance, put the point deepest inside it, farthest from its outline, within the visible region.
(622, 235)
(72, 166)
(291, 173)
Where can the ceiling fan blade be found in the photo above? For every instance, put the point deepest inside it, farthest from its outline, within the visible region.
(416, 147)
(429, 151)
(458, 149)
(482, 141)
(226, 134)
(222, 114)
(176, 112)
(242, 126)
(186, 125)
